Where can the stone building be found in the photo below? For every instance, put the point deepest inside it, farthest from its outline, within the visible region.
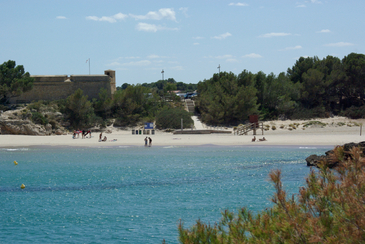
(56, 87)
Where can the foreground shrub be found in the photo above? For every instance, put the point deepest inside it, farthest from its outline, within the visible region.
(329, 209)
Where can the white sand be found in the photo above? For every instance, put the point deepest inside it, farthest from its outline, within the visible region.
(330, 135)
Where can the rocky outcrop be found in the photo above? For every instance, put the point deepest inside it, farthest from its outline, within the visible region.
(17, 122)
(22, 127)
(314, 160)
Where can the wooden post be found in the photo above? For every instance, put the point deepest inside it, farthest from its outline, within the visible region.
(262, 128)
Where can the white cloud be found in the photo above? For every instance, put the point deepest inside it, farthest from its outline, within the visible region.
(110, 19)
(147, 27)
(61, 17)
(238, 4)
(177, 68)
(223, 36)
(163, 13)
(224, 56)
(152, 27)
(198, 37)
(252, 55)
(292, 48)
(137, 63)
(154, 56)
(275, 34)
(301, 6)
(315, 1)
(184, 11)
(114, 64)
(339, 44)
(324, 31)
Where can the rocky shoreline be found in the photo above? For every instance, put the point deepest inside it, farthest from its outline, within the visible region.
(314, 160)
(18, 122)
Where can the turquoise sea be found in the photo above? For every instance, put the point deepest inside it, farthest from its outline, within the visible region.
(135, 194)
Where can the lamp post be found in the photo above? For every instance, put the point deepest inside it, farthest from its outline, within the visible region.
(162, 72)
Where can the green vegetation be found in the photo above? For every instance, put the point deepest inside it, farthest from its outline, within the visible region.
(227, 99)
(171, 118)
(13, 81)
(79, 110)
(314, 123)
(312, 88)
(329, 209)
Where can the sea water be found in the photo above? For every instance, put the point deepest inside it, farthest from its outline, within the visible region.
(135, 194)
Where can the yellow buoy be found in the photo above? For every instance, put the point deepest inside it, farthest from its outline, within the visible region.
(15, 162)
(22, 186)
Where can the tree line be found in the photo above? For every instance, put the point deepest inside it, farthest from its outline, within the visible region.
(312, 88)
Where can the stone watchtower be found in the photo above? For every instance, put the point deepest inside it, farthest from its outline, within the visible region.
(111, 74)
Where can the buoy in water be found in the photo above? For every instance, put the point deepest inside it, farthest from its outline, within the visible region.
(15, 162)
(22, 186)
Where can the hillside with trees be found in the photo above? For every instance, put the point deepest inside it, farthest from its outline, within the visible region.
(311, 88)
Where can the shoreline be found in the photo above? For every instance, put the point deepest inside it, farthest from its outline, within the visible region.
(15, 148)
(330, 135)
(296, 139)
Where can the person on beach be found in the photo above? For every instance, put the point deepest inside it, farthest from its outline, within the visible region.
(88, 133)
(145, 141)
(100, 136)
(263, 139)
(150, 140)
(104, 139)
(254, 139)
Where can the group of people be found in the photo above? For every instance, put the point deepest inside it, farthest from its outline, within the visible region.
(149, 140)
(83, 133)
(101, 136)
(254, 139)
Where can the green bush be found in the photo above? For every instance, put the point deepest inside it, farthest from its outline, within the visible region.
(354, 112)
(38, 118)
(303, 113)
(171, 118)
(314, 123)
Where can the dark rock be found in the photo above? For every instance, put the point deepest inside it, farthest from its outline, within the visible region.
(314, 160)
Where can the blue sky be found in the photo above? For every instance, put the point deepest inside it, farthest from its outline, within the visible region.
(187, 39)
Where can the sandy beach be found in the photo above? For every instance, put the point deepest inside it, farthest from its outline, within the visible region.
(337, 131)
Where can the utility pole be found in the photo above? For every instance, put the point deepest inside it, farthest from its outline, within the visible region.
(88, 60)
(162, 72)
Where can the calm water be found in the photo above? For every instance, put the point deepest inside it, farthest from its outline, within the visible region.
(134, 194)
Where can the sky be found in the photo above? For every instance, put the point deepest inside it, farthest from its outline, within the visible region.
(189, 40)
